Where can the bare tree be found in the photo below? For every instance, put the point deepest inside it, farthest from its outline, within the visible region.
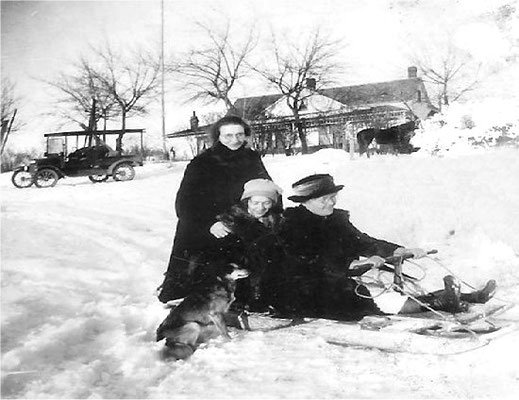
(9, 109)
(210, 117)
(122, 85)
(131, 81)
(81, 89)
(293, 66)
(449, 70)
(210, 73)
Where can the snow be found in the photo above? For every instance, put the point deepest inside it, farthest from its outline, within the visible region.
(80, 264)
(469, 127)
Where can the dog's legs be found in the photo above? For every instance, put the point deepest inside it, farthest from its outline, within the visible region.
(220, 324)
(243, 319)
(181, 342)
(208, 332)
(187, 333)
(178, 351)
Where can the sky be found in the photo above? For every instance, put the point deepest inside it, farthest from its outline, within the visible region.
(39, 39)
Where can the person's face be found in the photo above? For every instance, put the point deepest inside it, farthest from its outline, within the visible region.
(232, 136)
(323, 205)
(258, 206)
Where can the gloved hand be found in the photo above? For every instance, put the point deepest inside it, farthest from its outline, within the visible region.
(219, 230)
(375, 261)
(415, 252)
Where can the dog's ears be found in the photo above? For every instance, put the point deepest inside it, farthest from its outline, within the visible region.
(173, 303)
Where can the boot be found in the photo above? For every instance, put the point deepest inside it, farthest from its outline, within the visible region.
(447, 299)
(481, 296)
(452, 295)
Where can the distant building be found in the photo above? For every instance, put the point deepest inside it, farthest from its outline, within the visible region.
(330, 116)
(200, 133)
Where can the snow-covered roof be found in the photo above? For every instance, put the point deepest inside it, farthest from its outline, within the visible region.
(409, 90)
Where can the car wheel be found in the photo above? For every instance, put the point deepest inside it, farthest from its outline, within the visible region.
(98, 178)
(46, 178)
(22, 179)
(123, 172)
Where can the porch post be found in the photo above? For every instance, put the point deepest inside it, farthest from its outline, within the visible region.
(352, 140)
(349, 137)
(345, 136)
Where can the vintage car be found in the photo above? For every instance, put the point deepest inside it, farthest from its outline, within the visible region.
(96, 159)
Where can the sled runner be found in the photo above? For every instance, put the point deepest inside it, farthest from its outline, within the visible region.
(423, 333)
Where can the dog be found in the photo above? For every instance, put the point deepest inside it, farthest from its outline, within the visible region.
(201, 315)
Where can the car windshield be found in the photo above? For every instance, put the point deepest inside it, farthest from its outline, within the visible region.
(55, 145)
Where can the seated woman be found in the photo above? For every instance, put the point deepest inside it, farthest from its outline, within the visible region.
(321, 250)
(240, 230)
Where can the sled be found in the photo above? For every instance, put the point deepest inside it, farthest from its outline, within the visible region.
(422, 333)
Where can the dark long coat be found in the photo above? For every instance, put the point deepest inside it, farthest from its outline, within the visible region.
(212, 182)
(317, 252)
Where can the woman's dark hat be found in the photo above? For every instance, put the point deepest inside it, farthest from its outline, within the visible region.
(313, 186)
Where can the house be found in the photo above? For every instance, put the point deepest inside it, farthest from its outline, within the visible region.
(330, 117)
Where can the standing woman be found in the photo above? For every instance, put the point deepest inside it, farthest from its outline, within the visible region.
(213, 181)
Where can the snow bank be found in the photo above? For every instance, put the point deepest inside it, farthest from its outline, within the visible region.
(470, 127)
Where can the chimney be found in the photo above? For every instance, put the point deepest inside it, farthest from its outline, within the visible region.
(412, 72)
(194, 122)
(310, 83)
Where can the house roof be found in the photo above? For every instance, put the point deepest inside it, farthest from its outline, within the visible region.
(352, 96)
(201, 130)
(391, 91)
(253, 107)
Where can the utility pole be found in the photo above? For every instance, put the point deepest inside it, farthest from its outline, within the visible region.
(166, 153)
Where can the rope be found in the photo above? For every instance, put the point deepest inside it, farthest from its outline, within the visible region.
(451, 272)
(406, 290)
(444, 317)
(378, 281)
(424, 274)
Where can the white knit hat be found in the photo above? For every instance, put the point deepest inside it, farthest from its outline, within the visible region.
(261, 187)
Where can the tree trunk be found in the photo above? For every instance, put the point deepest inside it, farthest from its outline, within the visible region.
(300, 132)
(119, 141)
(123, 120)
(92, 123)
(445, 95)
(229, 106)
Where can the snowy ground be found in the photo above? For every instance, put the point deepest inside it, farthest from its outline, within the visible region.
(80, 263)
